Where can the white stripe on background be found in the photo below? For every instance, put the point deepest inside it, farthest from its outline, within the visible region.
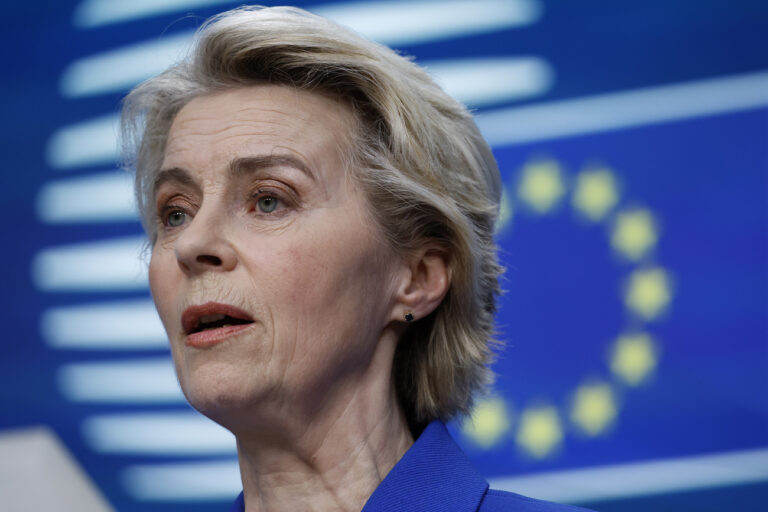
(106, 265)
(161, 434)
(399, 21)
(408, 22)
(482, 82)
(94, 142)
(102, 198)
(89, 142)
(104, 326)
(220, 480)
(136, 381)
(120, 69)
(199, 481)
(642, 478)
(478, 82)
(390, 22)
(624, 109)
(95, 13)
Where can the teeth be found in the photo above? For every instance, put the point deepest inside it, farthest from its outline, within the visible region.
(212, 328)
(206, 319)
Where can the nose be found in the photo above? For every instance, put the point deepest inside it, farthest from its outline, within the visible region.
(203, 245)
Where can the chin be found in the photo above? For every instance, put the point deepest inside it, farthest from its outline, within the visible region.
(225, 408)
(221, 396)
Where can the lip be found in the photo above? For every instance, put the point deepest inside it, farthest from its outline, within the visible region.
(211, 337)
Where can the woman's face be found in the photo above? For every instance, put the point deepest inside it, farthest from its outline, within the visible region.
(268, 273)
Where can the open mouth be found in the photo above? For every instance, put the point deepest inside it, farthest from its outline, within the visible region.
(208, 322)
(212, 316)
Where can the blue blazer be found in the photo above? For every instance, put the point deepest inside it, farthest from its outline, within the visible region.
(434, 475)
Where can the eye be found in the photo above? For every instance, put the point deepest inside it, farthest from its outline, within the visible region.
(176, 218)
(267, 204)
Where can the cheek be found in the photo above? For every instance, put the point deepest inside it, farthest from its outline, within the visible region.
(303, 277)
(161, 286)
(164, 285)
(305, 274)
(327, 286)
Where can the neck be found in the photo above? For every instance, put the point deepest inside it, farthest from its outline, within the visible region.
(332, 459)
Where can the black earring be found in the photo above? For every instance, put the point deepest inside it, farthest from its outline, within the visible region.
(408, 316)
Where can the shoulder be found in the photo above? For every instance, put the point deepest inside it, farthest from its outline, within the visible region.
(503, 501)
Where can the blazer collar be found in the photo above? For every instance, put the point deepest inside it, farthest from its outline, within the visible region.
(433, 475)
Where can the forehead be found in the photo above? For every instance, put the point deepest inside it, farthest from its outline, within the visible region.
(260, 119)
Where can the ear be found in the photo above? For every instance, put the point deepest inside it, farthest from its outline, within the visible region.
(424, 285)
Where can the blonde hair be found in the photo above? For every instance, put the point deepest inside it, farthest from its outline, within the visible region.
(429, 176)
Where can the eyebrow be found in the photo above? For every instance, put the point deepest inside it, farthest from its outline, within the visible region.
(247, 165)
(175, 174)
(237, 167)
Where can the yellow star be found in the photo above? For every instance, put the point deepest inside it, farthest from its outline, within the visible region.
(634, 357)
(594, 408)
(541, 185)
(540, 431)
(490, 420)
(506, 210)
(648, 292)
(634, 233)
(596, 193)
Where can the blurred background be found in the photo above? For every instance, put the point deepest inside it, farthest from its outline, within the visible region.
(633, 143)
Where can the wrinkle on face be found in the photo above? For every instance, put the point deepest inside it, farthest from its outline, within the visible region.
(318, 281)
(306, 389)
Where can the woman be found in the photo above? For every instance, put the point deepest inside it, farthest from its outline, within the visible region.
(321, 220)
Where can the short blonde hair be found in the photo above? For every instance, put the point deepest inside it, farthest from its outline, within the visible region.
(429, 176)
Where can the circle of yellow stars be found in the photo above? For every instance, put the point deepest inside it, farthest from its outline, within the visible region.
(633, 233)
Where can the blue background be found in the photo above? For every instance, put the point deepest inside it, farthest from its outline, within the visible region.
(703, 177)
